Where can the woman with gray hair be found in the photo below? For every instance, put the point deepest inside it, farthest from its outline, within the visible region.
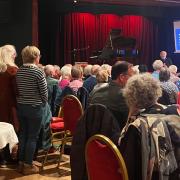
(157, 65)
(139, 145)
(142, 91)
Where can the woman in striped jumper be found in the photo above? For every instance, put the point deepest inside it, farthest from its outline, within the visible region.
(32, 102)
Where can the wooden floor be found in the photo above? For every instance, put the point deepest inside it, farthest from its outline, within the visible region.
(50, 172)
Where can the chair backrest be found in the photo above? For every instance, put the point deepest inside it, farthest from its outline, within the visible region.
(59, 98)
(178, 98)
(72, 111)
(67, 91)
(104, 160)
(97, 119)
(83, 96)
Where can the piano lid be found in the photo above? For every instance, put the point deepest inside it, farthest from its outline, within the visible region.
(116, 41)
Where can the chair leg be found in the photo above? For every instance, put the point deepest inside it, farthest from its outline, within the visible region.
(45, 159)
(61, 151)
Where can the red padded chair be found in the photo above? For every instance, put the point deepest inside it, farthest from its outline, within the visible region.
(57, 123)
(178, 98)
(104, 160)
(72, 111)
(57, 134)
(63, 127)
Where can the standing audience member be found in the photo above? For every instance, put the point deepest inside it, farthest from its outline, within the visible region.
(166, 60)
(32, 102)
(111, 94)
(8, 70)
(8, 114)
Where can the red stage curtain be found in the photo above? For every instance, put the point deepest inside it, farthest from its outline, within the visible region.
(89, 32)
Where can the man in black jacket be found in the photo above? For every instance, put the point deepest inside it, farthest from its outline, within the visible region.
(166, 60)
(111, 95)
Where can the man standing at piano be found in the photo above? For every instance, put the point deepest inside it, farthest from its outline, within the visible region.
(166, 60)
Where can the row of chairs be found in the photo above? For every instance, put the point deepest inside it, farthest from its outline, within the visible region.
(63, 126)
(98, 147)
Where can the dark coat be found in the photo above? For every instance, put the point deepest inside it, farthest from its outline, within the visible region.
(111, 96)
(89, 83)
(139, 144)
(167, 61)
(96, 120)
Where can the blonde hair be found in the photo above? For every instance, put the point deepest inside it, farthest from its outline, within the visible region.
(29, 54)
(102, 76)
(157, 65)
(142, 91)
(8, 54)
(173, 69)
(3, 67)
(106, 67)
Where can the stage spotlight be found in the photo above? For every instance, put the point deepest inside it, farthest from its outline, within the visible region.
(75, 1)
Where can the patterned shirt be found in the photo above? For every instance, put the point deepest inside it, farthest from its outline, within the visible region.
(31, 84)
(171, 89)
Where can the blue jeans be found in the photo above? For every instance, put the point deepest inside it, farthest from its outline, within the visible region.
(30, 117)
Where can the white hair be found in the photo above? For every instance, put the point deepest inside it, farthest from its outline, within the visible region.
(66, 71)
(87, 70)
(8, 54)
(49, 70)
(173, 69)
(157, 65)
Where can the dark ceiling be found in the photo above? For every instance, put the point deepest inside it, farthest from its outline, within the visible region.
(136, 2)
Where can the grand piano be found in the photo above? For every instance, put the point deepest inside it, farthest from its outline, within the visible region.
(118, 48)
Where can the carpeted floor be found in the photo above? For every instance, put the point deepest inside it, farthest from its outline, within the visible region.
(50, 172)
